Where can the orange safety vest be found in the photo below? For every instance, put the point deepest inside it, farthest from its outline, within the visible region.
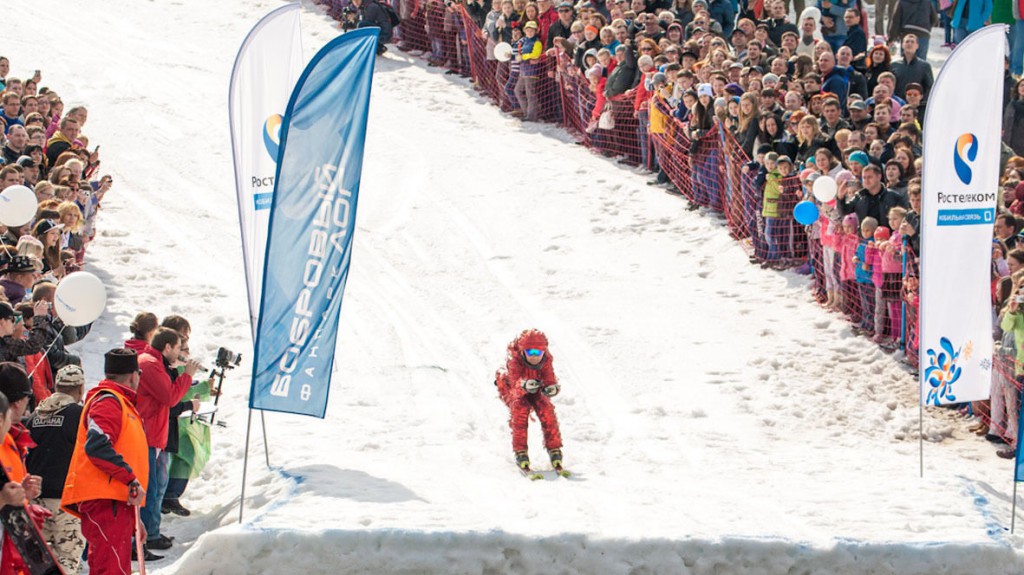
(14, 467)
(10, 458)
(87, 482)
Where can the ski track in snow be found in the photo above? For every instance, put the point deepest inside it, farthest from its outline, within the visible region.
(716, 420)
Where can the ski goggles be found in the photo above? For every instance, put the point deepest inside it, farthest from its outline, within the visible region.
(534, 352)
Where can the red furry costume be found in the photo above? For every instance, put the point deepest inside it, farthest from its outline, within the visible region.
(510, 382)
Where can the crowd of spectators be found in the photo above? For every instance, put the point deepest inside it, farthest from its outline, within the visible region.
(78, 461)
(730, 95)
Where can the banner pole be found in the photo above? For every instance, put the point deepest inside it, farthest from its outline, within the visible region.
(920, 434)
(245, 465)
(903, 301)
(1013, 516)
(266, 445)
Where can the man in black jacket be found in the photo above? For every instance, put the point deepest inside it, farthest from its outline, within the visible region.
(54, 428)
(874, 200)
(778, 23)
(562, 28)
(911, 69)
(371, 13)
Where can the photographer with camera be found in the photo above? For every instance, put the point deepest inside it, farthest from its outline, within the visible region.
(371, 13)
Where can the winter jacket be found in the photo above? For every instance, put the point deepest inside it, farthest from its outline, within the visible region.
(371, 13)
(60, 335)
(778, 27)
(557, 30)
(54, 426)
(971, 14)
(1015, 322)
(857, 40)
(916, 70)
(876, 206)
(157, 393)
(39, 338)
(858, 83)
(137, 344)
(581, 51)
(864, 260)
(623, 77)
(1013, 126)
(872, 74)
(807, 149)
(56, 146)
(516, 371)
(478, 12)
(837, 11)
(846, 246)
(42, 376)
(874, 254)
(544, 22)
(642, 96)
(530, 49)
(772, 193)
(14, 291)
(658, 119)
(837, 82)
(892, 254)
(916, 17)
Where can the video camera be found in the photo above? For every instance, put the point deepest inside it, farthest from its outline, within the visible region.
(349, 18)
(227, 359)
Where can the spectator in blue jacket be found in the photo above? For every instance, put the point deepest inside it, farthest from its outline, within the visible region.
(969, 16)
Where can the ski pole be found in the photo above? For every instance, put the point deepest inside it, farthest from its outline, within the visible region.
(140, 542)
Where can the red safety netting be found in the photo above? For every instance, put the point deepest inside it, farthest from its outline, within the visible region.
(1000, 415)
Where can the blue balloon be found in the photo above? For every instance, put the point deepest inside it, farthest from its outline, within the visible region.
(806, 212)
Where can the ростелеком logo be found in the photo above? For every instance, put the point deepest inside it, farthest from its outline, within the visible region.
(272, 136)
(964, 153)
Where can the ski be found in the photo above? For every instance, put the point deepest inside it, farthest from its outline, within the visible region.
(563, 472)
(531, 474)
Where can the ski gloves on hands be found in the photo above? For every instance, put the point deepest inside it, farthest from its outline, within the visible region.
(533, 386)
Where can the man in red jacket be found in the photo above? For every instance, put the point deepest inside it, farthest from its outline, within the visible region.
(160, 388)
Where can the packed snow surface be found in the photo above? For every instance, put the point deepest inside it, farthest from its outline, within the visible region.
(716, 419)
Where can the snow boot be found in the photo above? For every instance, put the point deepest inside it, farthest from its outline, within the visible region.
(522, 460)
(556, 458)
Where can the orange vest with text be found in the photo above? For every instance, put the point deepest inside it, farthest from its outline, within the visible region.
(87, 482)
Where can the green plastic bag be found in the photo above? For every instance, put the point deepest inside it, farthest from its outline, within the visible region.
(193, 439)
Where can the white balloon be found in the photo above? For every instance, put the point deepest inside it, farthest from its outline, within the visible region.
(503, 52)
(79, 299)
(18, 206)
(825, 189)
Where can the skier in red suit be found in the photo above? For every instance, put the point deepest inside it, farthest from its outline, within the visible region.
(528, 382)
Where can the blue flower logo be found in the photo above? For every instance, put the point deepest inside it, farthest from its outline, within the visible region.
(941, 373)
(964, 153)
(272, 135)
